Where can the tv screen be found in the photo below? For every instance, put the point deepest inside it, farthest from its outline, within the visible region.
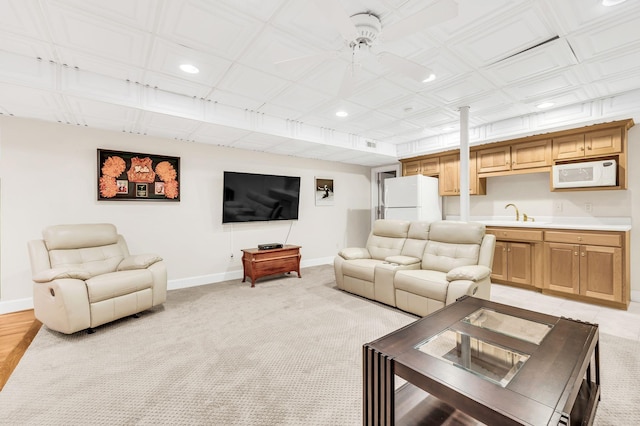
(252, 197)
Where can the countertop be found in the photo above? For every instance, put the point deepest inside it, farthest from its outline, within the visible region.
(549, 222)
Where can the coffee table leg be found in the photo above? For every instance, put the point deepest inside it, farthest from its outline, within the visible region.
(378, 389)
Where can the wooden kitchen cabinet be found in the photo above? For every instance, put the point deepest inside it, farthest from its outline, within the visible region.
(512, 262)
(588, 144)
(430, 166)
(590, 266)
(426, 167)
(411, 168)
(524, 155)
(449, 177)
(517, 258)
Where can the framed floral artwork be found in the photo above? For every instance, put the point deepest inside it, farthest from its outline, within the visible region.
(135, 176)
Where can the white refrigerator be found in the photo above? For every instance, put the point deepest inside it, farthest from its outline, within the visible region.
(412, 198)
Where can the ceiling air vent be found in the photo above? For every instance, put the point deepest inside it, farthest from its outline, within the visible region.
(371, 144)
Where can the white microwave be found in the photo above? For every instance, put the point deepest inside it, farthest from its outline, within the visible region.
(580, 175)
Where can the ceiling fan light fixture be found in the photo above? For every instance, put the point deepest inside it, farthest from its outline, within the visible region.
(190, 69)
(609, 3)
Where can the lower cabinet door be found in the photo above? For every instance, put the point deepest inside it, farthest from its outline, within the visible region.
(562, 267)
(601, 272)
(519, 263)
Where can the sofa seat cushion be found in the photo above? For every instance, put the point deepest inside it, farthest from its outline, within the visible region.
(426, 283)
(361, 268)
(116, 284)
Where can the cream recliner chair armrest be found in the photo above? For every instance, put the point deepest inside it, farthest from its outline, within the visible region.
(351, 253)
(159, 272)
(470, 273)
(459, 288)
(49, 275)
(138, 261)
(471, 280)
(62, 304)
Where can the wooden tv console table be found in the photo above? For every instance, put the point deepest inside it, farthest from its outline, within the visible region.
(260, 263)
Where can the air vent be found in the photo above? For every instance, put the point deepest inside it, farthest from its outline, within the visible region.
(371, 144)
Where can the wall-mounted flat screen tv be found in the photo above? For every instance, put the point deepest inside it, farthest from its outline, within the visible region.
(252, 197)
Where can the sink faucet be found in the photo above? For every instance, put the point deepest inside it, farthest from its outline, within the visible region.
(517, 212)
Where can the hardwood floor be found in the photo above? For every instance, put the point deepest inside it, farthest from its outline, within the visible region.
(17, 331)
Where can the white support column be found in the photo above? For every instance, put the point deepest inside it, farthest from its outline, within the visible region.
(464, 163)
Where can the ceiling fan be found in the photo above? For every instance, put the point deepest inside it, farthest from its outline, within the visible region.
(363, 31)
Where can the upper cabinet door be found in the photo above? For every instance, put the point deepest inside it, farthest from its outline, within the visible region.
(566, 147)
(529, 155)
(603, 142)
(494, 159)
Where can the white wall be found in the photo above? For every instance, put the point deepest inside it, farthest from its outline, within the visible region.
(530, 192)
(48, 176)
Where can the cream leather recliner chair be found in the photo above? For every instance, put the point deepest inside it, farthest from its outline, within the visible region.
(84, 277)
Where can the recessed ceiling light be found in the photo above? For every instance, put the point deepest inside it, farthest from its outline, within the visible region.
(545, 105)
(188, 68)
(431, 77)
(342, 113)
(612, 2)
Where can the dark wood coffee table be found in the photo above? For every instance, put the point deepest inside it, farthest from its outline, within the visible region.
(476, 362)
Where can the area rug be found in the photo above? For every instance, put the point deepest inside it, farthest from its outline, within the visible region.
(287, 352)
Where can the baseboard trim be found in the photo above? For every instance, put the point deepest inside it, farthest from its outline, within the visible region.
(232, 275)
(635, 295)
(17, 305)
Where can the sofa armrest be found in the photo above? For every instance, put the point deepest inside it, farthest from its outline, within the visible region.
(49, 275)
(471, 273)
(138, 261)
(351, 253)
(402, 260)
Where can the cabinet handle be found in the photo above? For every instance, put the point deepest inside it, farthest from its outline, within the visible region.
(582, 148)
(575, 253)
(504, 249)
(579, 238)
(588, 147)
(582, 254)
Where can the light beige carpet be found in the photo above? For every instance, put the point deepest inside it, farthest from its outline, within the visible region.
(287, 352)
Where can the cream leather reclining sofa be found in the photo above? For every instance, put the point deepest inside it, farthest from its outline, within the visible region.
(84, 277)
(419, 267)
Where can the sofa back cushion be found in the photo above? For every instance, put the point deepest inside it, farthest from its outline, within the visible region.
(416, 239)
(452, 244)
(95, 248)
(387, 238)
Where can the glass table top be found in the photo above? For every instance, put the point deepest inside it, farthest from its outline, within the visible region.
(490, 361)
(509, 325)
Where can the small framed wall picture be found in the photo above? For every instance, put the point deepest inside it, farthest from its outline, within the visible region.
(141, 190)
(325, 192)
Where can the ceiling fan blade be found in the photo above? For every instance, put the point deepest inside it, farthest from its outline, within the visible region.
(349, 81)
(414, 71)
(427, 17)
(338, 17)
